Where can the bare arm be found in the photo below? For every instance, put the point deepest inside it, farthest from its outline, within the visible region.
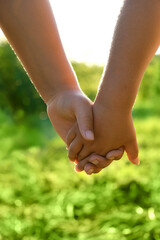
(135, 41)
(31, 29)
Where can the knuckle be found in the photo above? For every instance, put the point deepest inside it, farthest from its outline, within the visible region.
(119, 156)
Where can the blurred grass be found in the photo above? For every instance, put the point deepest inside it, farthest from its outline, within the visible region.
(41, 197)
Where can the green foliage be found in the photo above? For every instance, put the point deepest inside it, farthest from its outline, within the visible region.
(150, 86)
(19, 97)
(88, 77)
(17, 93)
(43, 198)
(41, 195)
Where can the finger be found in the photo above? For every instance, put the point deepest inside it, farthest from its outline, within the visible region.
(99, 161)
(80, 165)
(70, 136)
(84, 116)
(90, 168)
(132, 152)
(74, 148)
(84, 153)
(115, 154)
(96, 160)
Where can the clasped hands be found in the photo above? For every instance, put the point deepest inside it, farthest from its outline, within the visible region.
(95, 133)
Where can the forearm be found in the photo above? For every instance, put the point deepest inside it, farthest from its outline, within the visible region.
(31, 29)
(135, 41)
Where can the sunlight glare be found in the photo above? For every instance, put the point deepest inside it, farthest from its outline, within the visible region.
(86, 28)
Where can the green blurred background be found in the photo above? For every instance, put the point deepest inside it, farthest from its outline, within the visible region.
(42, 198)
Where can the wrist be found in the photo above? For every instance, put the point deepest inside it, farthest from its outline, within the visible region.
(114, 95)
(109, 103)
(56, 82)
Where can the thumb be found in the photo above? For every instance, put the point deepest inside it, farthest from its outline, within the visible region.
(84, 116)
(132, 152)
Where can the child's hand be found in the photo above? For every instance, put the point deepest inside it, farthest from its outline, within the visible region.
(95, 163)
(73, 108)
(70, 107)
(113, 129)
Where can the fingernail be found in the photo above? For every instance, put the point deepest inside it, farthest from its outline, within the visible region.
(89, 135)
(95, 162)
(90, 171)
(136, 161)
